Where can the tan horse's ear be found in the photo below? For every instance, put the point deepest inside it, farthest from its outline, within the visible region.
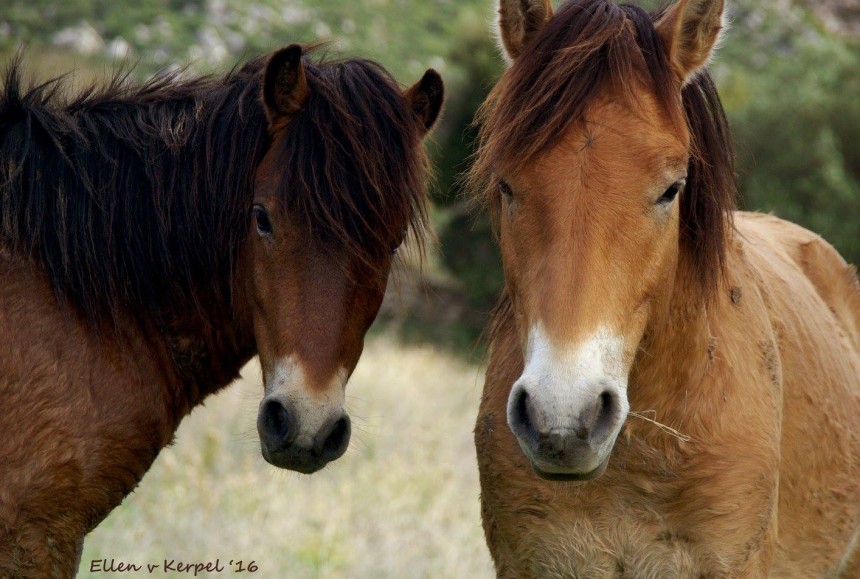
(690, 31)
(519, 23)
(285, 86)
(425, 98)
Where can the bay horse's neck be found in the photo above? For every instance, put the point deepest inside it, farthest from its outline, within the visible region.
(209, 336)
(135, 203)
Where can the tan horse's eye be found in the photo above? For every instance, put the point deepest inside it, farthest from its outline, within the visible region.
(669, 195)
(264, 226)
(506, 190)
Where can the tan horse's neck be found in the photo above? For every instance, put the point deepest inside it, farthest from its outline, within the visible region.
(676, 351)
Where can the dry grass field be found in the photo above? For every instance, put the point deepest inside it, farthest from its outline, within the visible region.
(403, 501)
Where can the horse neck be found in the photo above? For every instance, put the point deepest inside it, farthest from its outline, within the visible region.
(204, 351)
(209, 338)
(666, 380)
(204, 327)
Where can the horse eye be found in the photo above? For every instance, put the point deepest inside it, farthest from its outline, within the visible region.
(669, 195)
(397, 244)
(506, 190)
(264, 226)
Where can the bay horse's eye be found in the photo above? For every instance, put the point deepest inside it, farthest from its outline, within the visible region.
(669, 195)
(506, 190)
(399, 242)
(264, 226)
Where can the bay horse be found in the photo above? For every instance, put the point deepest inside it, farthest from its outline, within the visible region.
(673, 387)
(154, 238)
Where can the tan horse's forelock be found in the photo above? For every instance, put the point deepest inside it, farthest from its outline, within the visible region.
(589, 48)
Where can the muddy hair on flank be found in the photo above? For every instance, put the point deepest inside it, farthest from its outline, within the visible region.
(587, 47)
(136, 198)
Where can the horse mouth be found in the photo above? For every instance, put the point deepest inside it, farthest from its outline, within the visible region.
(571, 476)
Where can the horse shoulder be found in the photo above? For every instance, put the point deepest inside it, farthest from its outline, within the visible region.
(833, 278)
(81, 425)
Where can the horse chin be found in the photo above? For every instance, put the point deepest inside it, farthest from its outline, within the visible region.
(561, 476)
(300, 464)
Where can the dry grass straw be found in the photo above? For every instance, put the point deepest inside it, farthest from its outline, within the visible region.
(667, 429)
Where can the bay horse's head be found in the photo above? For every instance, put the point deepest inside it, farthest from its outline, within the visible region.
(604, 157)
(339, 188)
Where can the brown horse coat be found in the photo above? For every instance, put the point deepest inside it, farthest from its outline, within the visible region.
(154, 238)
(87, 420)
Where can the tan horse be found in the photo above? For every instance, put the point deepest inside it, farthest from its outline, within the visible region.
(674, 388)
(154, 238)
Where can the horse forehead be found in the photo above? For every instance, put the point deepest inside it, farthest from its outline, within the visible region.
(624, 132)
(615, 147)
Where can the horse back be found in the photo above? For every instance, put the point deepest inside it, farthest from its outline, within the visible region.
(813, 298)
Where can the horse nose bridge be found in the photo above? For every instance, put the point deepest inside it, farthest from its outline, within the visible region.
(296, 375)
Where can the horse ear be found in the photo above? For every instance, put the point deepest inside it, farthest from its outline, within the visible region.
(425, 98)
(285, 86)
(519, 22)
(690, 31)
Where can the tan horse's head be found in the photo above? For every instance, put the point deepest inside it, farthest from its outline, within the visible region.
(337, 191)
(591, 162)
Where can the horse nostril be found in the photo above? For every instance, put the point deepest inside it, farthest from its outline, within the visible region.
(337, 439)
(522, 419)
(521, 411)
(607, 409)
(277, 424)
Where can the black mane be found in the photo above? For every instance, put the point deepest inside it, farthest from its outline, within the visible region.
(138, 197)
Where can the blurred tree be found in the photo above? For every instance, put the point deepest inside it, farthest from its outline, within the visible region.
(798, 133)
(468, 248)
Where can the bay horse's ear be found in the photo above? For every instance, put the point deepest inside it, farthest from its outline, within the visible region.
(519, 23)
(425, 98)
(285, 86)
(690, 31)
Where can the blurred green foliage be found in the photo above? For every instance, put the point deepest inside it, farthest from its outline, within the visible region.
(790, 85)
(796, 123)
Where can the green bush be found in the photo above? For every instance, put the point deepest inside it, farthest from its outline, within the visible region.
(797, 128)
